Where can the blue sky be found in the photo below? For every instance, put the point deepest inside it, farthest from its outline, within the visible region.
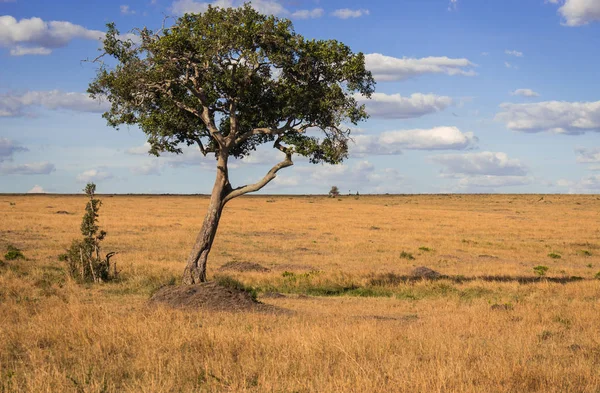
(472, 96)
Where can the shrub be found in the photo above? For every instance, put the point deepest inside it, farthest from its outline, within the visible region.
(540, 270)
(426, 249)
(83, 257)
(13, 253)
(334, 192)
(407, 255)
(585, 253)
(554, 255)
(597, 276)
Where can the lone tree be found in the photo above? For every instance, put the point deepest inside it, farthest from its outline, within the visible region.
(229, 80)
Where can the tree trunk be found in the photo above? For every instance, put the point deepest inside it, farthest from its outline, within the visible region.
(195, 270)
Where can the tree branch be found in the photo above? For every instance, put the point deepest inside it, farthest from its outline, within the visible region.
(268, 177)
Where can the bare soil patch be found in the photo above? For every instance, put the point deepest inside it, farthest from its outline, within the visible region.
(210, 296)
(243, 267)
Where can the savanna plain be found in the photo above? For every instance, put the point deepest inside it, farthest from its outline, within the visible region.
(351, 317)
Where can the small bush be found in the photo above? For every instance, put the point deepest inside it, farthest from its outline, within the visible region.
(554, 255)
(426, 249)
(585, 253)
(407, 255)
(83, 258)
(540, 270)
(334, 192)
(13, 253)
(63, 257)
(597, 276)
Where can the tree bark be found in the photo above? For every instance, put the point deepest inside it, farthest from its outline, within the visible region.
(195, 270)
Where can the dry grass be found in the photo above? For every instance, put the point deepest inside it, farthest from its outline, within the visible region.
(439, 336)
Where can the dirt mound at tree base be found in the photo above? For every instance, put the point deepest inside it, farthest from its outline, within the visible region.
(425, 272)
(209, 296)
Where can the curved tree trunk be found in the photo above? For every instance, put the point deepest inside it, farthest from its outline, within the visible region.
(195, 269)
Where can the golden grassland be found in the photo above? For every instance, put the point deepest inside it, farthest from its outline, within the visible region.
(364, 336)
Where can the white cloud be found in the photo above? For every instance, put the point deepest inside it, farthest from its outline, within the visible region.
(393, 142)
(8, 148)
(308, 14)
(362, 176)
(578, 12)
(270, 7)
(126, 10)
(346, 13)
(386, 68)
(36, 190)
(586, 185)
(588, 155)
(514, 53)
(16, 104)
(508, 65)
(93, 175)
(36, 168)
(452, 5)
(482, 163)
(36, 36)
(553, 116)
(525, 93)
(152, 168)
(485, 181)
(24, 51)
(395, 106)
(139, 150)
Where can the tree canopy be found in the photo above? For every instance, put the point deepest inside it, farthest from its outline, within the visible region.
(231, 79)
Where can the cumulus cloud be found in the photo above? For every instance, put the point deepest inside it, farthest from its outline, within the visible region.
(395, 106)
(347, 13)
(483, 163)
(588, 155)
(24, 51)
(93, 175)
(9, 147)
(17, 104)
(308, 14)
(386, 68)
(515, 53)
(35, 36)
(151, 168)
(586, 185)
(489, 181)
(36, 168)
(393, 142)
(525, 93)
(271, 7)
(126, 10)
(139, 150)
(362, 176)
(559, 117)
(36, 190)
(578, 12)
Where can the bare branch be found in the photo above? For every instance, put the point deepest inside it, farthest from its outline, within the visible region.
(268, 177)
(290, 125)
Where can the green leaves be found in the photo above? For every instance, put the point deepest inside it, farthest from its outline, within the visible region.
(231, 79)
